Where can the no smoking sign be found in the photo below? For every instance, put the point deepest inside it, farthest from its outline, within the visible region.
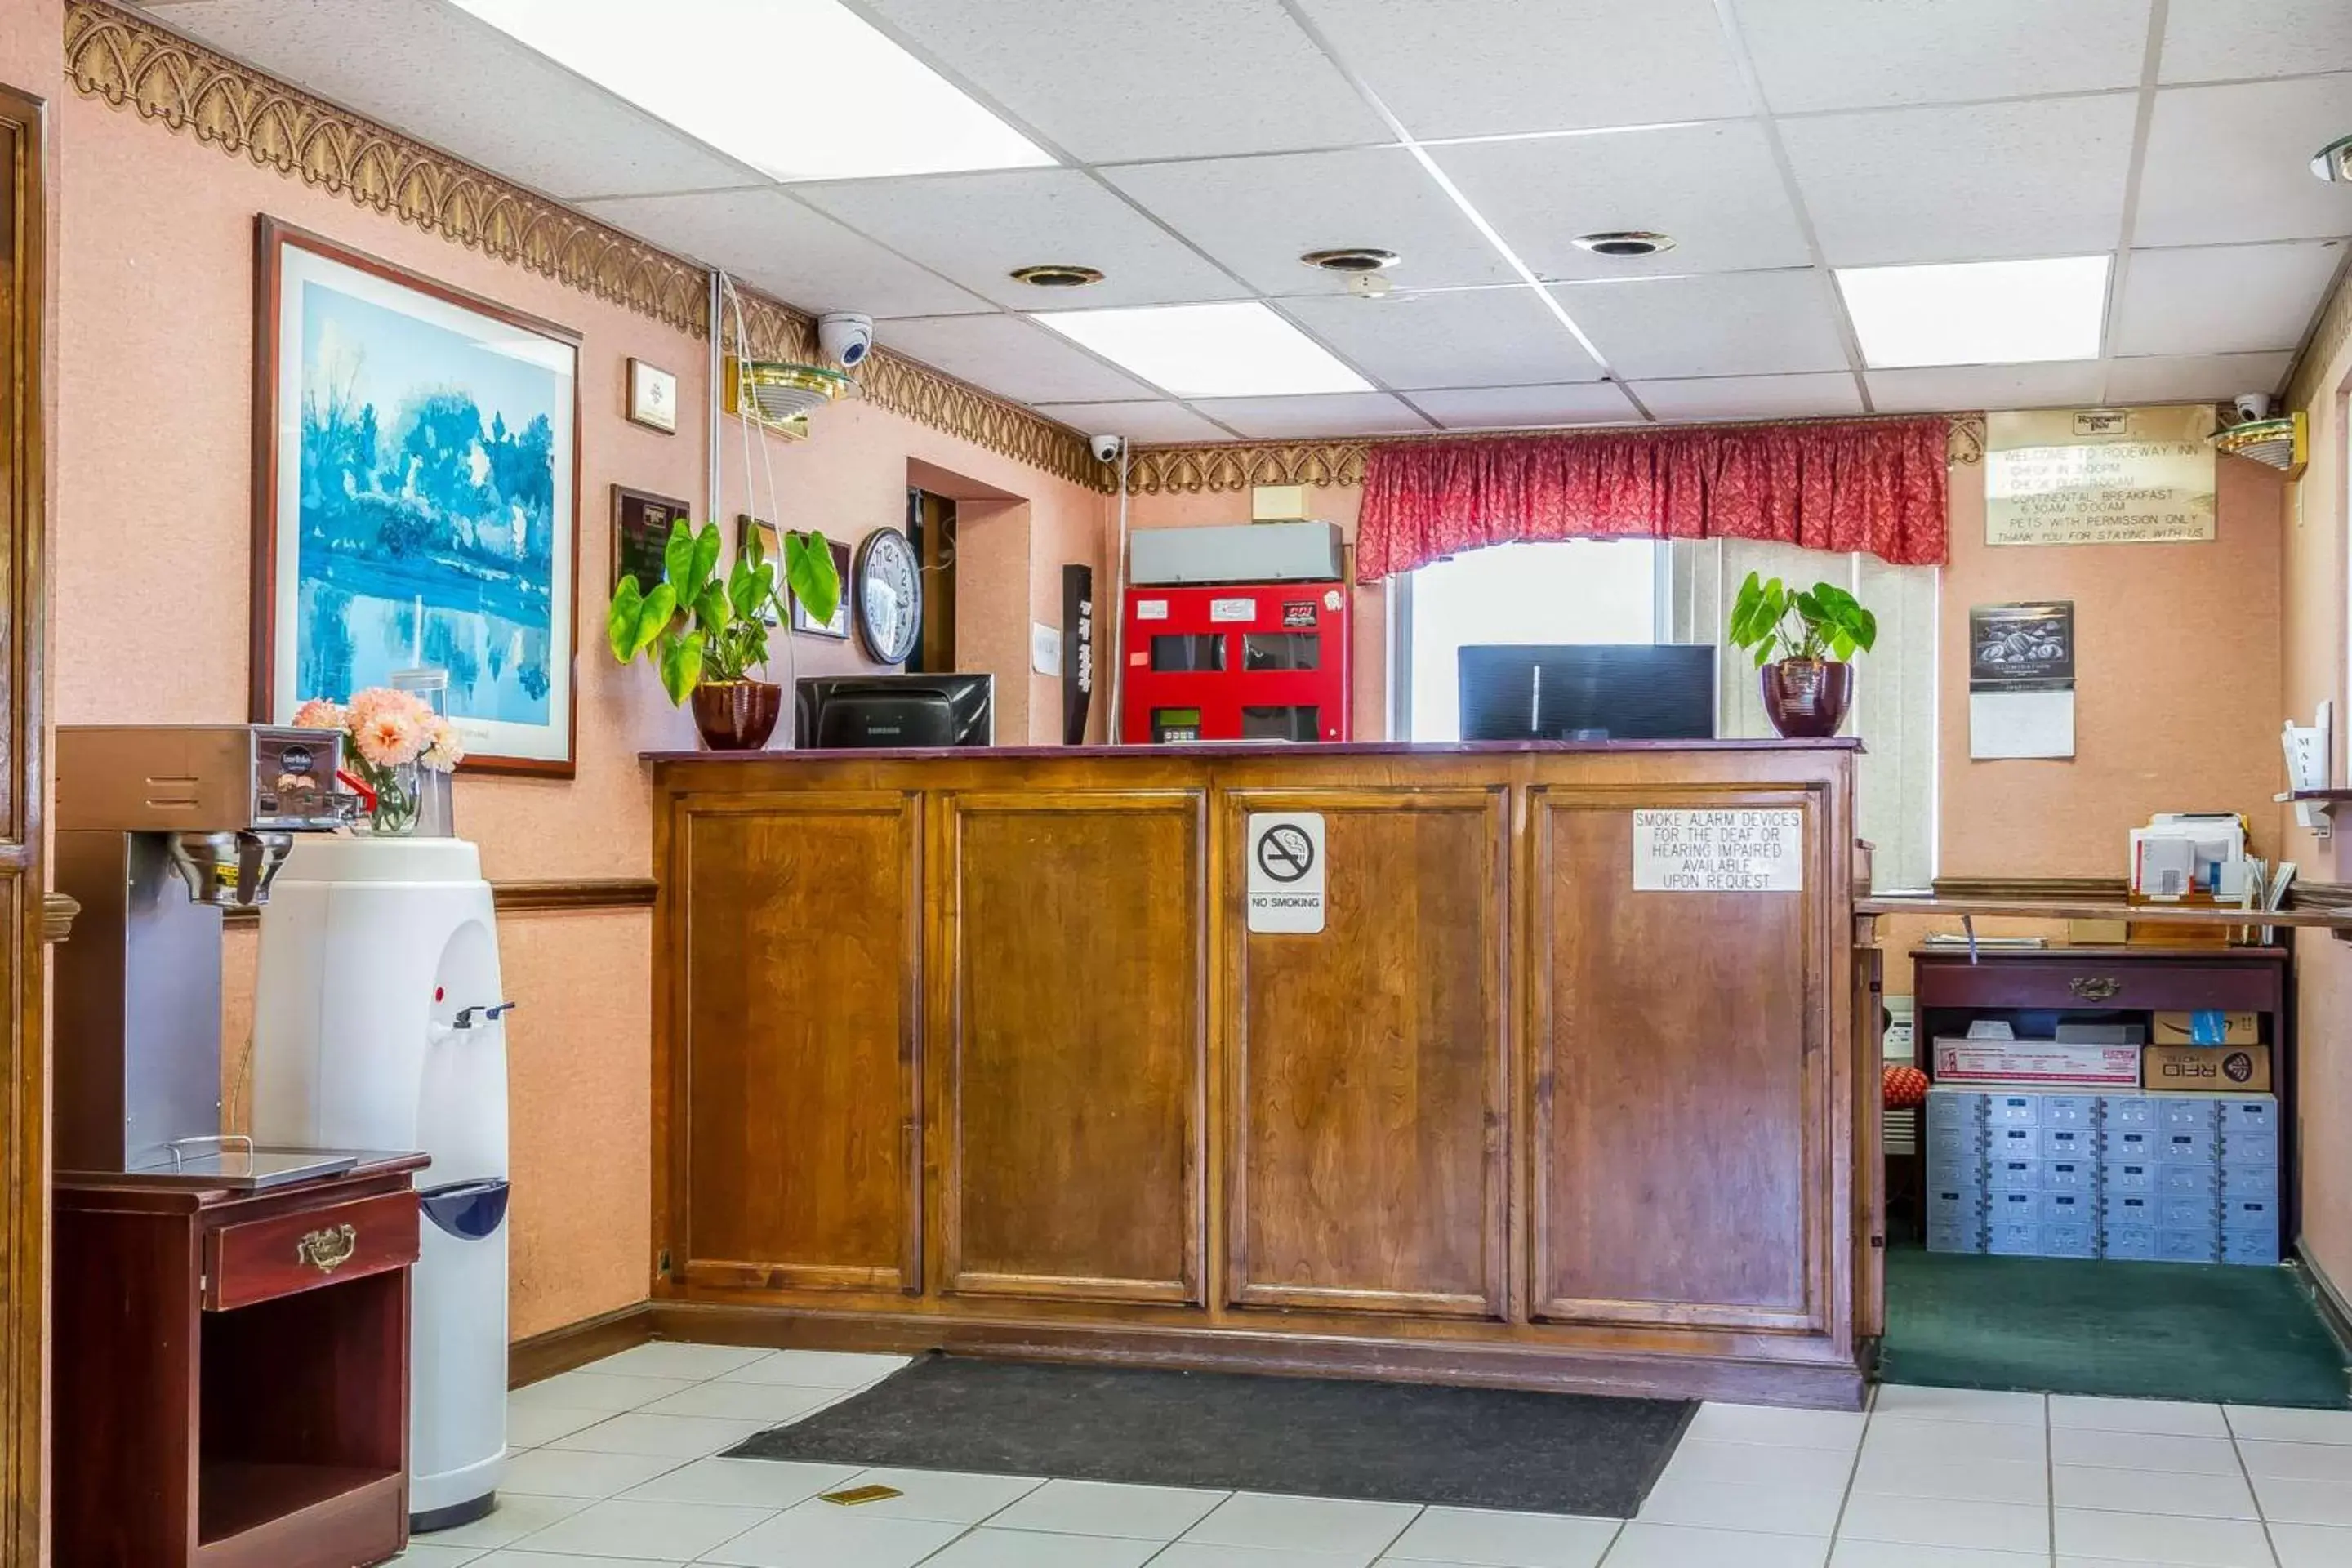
(1285, 855)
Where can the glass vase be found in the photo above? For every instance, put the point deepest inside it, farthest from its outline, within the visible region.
(397, 799)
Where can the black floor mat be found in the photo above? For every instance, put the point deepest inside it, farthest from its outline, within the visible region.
(1468, 1447)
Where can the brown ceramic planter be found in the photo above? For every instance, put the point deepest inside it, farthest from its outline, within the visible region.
(1807, 699)
(737, 715)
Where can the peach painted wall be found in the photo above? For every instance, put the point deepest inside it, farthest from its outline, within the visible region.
(2315, 634)
(2178, 659)
(150, 550)
(1367, 612)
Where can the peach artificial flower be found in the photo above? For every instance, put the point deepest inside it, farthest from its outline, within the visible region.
(445, 751)
(318, 714)
(388, 738)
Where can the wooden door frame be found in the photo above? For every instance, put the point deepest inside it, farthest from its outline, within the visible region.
(24, 1257)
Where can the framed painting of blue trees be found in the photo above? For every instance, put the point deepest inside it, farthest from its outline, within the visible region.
(415, 485)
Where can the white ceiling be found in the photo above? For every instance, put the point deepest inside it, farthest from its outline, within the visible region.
(1206, 144)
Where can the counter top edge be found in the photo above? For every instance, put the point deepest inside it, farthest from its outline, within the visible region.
(1253, 751)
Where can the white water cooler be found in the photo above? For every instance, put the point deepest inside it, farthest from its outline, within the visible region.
(379, 1024)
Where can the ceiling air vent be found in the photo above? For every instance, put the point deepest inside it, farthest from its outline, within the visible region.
(1056, 275)
(1625, 242)
(1352, 258)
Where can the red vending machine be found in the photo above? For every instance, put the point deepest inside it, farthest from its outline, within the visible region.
(1265, 658)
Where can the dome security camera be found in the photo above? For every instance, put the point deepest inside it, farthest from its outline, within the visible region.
(1106, 448)
(846, 338)
(2253, 406)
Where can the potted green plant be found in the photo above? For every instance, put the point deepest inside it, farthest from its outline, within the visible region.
(1802, 639)
(705, 632)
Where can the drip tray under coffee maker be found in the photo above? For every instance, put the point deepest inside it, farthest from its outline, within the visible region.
(243, 1166)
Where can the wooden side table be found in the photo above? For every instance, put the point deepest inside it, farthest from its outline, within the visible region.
(231, 1371)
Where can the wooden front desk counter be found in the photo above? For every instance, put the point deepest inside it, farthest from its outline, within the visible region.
(975, 1049)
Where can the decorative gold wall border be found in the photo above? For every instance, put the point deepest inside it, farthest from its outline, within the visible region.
(130, 62)
(1238, 465)
(2327, 342)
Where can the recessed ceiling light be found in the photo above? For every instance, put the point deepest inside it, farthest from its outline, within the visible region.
(2334, 161)
(1624, 242)
(1237, 349)
(1977, 313)
(703, 66)
(1056, 275)
(1352, 258)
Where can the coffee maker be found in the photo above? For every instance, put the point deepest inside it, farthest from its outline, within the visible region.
(159, 829)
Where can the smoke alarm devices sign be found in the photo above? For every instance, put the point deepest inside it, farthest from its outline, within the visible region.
(1286, 871)
(1718, 851)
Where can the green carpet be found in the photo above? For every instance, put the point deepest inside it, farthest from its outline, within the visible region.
(2145, 1331)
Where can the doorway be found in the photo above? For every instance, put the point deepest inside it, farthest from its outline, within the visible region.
(932, 528)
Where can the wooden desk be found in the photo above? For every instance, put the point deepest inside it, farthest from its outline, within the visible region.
(231, 1371)
(975, 1050)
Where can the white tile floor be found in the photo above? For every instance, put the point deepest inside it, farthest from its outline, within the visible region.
(613, 1469)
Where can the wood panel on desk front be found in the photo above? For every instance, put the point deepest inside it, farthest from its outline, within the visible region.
(797, 1156)
(1676, 1043)
(1074, 1044)
(1502, 1120)
(1366, 1096)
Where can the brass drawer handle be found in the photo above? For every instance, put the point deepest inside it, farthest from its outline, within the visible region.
(328, 1250)
(2094, 987)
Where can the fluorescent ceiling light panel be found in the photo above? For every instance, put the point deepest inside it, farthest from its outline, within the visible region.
(1238, 349)
(801, 90)
(1977, 313)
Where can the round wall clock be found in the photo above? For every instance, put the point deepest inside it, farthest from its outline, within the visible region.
(889, 593)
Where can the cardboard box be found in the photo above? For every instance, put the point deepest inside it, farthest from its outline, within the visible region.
(2035, 1061)
(2207, 1070)
(2180, 1029)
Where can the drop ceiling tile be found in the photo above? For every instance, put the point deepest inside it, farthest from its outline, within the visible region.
(2214, 40)
(1138, 422)
(1331, 414)
(460, 84)
(1858, 54)
(1527, 407)
(1486, 68)
(1732, 323)
(772, 242)
(1258, 216)
(1469, 337)
(2223, 299)
(1952, 389)
(2195, 378)
(2229, 163)
(1715, 188)
(976, 228)
(1752, 396)
(1012, 356)
(1966, 183)
(1200, 80)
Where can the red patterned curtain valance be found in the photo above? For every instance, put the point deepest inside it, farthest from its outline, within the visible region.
(1877, 486)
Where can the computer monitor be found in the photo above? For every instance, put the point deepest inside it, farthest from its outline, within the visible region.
(860, 711)
(1597, 692)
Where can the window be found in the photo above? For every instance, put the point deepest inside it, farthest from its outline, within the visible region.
(1590, 590)
(1639, 591)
